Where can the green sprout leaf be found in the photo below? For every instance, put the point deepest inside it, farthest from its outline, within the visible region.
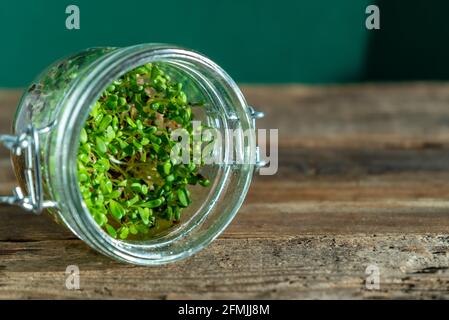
(124, 231)
(112, 232)
(116, 209)
(183, 198)
(126, 176)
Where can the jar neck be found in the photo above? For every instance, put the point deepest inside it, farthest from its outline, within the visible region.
(86, 91)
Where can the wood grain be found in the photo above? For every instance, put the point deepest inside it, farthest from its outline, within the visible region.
(363, 179)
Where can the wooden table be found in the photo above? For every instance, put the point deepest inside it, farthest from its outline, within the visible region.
(363, 180)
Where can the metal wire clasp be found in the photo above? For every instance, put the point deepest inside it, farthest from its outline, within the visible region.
(254, 116)
(27, 144)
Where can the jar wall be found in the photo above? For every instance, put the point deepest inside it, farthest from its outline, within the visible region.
(41, 104)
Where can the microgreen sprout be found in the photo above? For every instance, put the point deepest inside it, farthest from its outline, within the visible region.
(126, 177)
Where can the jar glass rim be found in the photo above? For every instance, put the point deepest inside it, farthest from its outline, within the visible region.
(81, 96)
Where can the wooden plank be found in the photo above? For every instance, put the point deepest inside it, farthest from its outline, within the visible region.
(363, 178)
(413, 115)
(321, 197)
(411, 266)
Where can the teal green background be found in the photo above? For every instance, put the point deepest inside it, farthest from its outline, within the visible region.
(283, 41)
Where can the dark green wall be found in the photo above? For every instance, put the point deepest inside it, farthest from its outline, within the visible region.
(319, 41)
(255, 41)
(413, 43)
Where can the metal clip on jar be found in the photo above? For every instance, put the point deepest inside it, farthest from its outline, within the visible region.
(45, 142)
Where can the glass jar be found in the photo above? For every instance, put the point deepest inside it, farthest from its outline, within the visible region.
(45, 142)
